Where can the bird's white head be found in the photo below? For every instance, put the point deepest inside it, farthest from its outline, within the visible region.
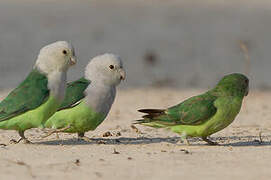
(106, 69)
(58, 56)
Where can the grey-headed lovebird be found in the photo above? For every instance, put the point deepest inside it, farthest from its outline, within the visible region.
(89, 99)
(38, 97)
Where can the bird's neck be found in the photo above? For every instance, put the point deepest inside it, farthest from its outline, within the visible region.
(57, 84)
(100, 97)
(227, 90)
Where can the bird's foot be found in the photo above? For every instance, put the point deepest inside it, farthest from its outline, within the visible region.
(85, 138)
(57, 136)
(24, 140)
(186, 142)
(50, 132)
(13, 141)
(209, 142)
(101, 142)
(183, 140)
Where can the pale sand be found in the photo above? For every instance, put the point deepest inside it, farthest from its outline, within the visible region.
(151, 154)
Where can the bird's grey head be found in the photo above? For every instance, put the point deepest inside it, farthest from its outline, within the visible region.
(58, 56)
(106, 69)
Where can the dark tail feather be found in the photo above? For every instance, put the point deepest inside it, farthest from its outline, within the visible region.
(152, 117)
(140, 121)
(147, 116)
(152, 111)
(151, 114)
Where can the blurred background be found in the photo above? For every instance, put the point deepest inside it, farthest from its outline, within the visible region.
(179, 44)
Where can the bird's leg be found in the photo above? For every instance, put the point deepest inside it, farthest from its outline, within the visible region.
(81, 136)
(184, 139)
(56, 131)
(260, 136)
(23, 138)
(57, 136)
(212, 143)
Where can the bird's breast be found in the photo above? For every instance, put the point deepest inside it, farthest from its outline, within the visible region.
(57, 84)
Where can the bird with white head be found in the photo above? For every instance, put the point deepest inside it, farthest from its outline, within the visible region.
(89, 99)
(38, 97)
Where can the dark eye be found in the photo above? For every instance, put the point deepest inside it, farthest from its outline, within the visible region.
(246, 81)
(111, 67)
(64, 52)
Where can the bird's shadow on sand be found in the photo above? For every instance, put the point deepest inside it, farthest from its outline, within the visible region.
(235, 141)
(111, 141)
(245, 141)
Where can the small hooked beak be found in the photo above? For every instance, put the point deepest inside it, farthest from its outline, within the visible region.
(122, 74)
(73, 61)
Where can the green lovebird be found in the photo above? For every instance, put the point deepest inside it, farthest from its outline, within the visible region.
(39, 96)
(89, 99)
(202, 115)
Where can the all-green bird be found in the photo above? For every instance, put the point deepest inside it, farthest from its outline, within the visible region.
(202, 115)
(89, 99)
(39, 96)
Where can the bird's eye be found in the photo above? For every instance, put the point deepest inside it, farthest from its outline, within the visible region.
(64, 52)
(246, 81)
(111, 67)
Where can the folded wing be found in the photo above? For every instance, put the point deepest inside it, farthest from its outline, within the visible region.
(74, 93)
(192, 111)
(30, 94)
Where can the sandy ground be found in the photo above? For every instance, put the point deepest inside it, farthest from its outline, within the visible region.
(147, 153)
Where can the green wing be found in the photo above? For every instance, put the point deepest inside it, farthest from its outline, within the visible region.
(74, 93)
(193, 111)
(30, 94)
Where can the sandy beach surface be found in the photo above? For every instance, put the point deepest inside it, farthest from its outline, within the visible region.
(146, 153)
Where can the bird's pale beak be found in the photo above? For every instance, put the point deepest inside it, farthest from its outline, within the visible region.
(122, 74)
(73, 61)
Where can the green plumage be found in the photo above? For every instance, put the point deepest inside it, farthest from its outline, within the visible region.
(202, 115)
(88, 102)
(73, 112)
(30, 94)
(80, 119)
(74, 93)
(194, 110)
(29, 105)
